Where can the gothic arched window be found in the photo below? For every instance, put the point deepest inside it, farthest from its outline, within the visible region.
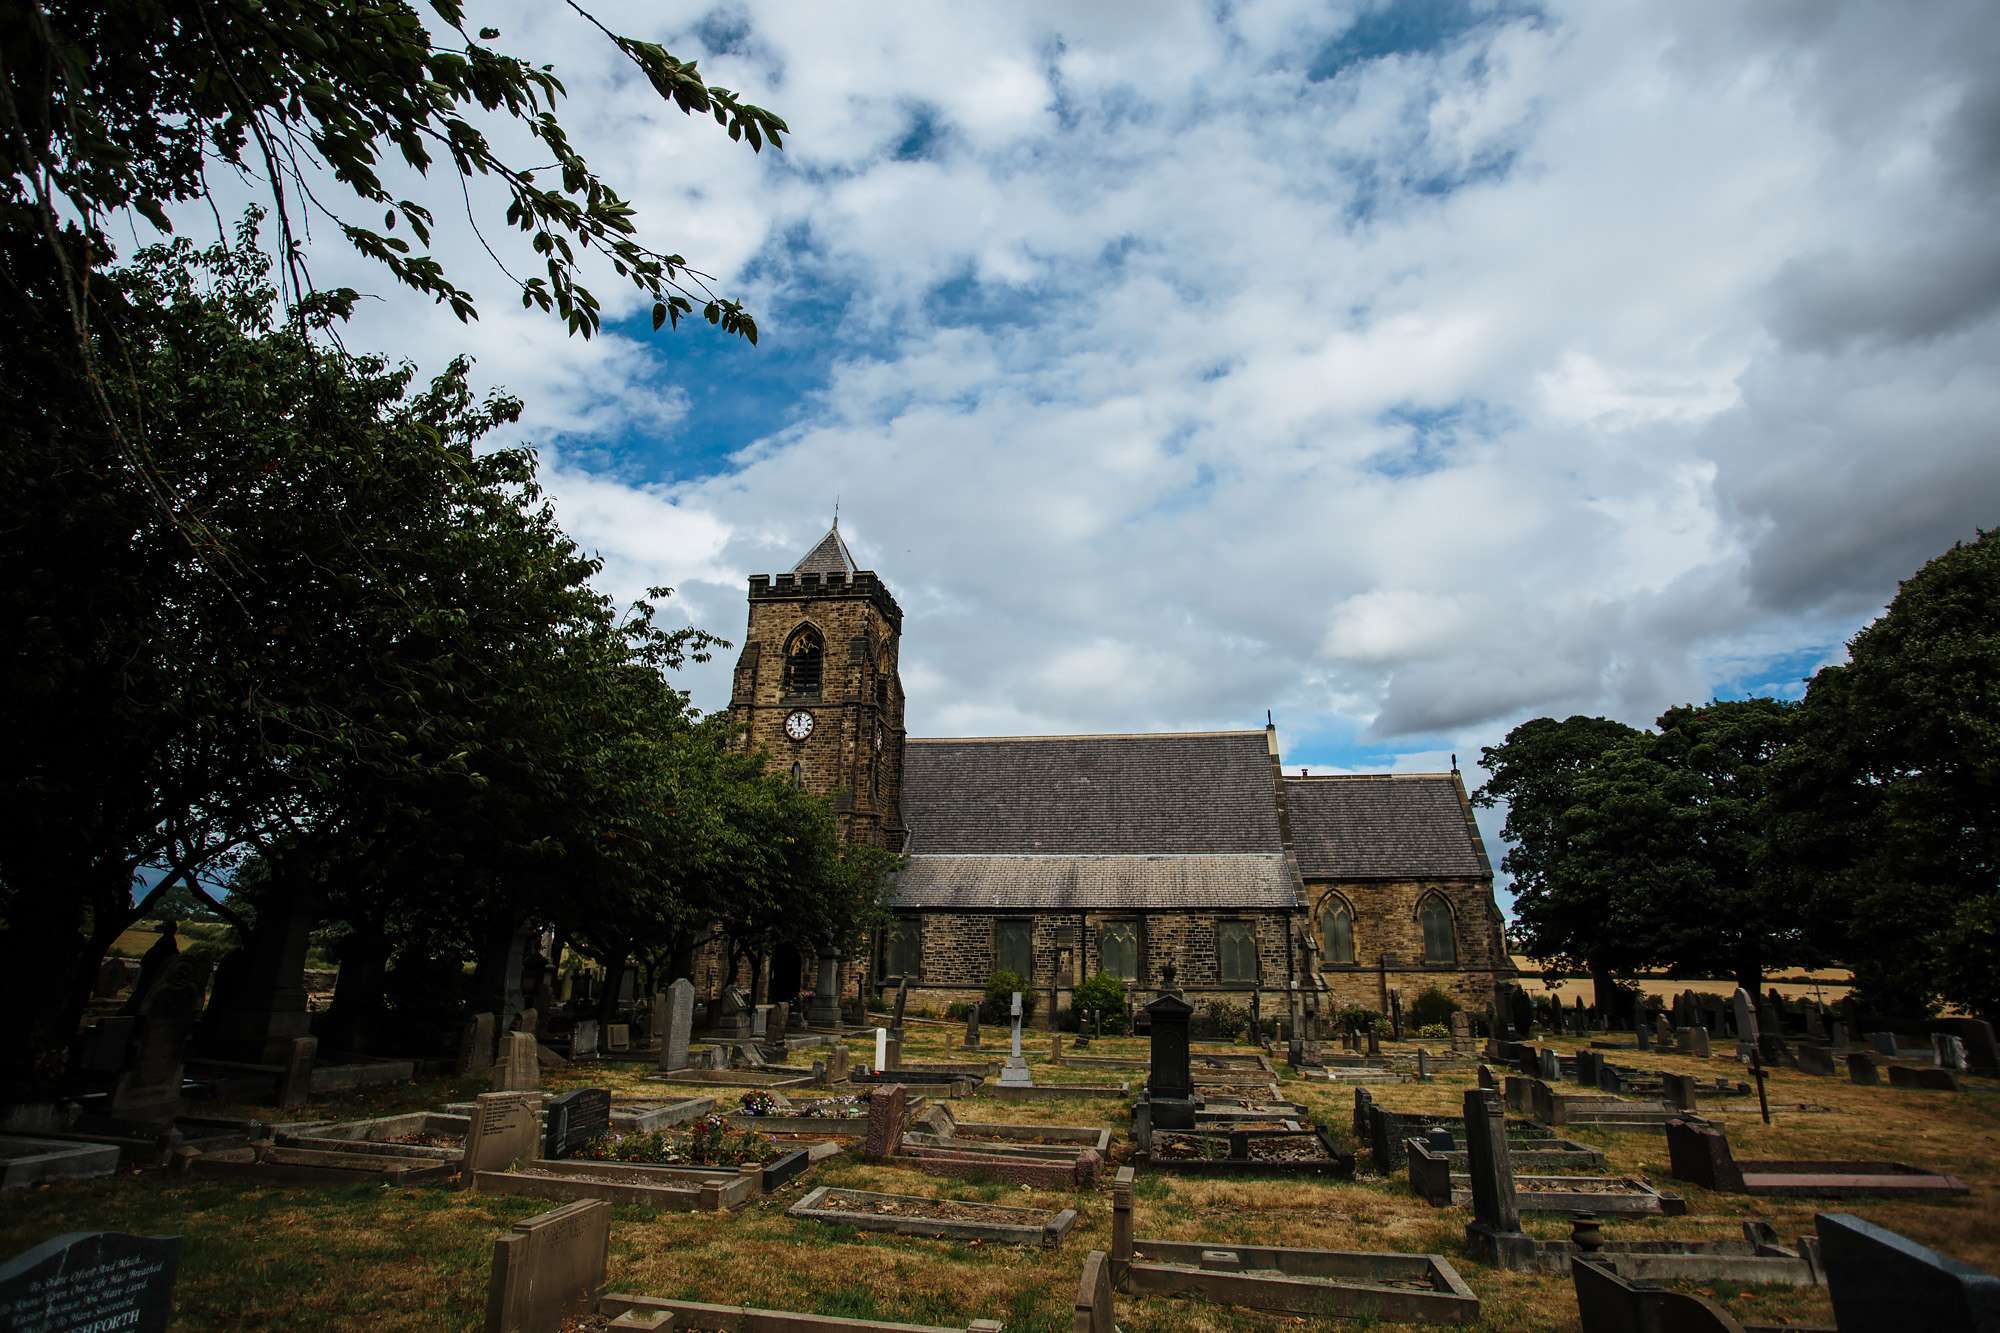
(805, 661)
(1440, 938)
(1336, 930)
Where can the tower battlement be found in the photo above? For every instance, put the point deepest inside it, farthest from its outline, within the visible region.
(862, 583)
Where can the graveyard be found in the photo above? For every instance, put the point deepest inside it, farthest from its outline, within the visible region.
(941, 1204)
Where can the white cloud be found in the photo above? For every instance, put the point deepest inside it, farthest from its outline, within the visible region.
(1564, 366)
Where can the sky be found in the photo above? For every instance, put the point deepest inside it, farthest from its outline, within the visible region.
(1408, 371)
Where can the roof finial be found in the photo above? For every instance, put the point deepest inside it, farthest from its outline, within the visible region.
(1267, 718)
(1454, 763)
(836, 512)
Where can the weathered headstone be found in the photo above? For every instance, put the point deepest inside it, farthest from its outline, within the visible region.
(902, 1004)
(732, 1014)
(677, 1024)
(972, 1027)
(549, 1269)
(1948, 1051)
(617, 1036)
(1549, 1065)
(1055, 1047)
(1096, 1311)
(295, 1089)
(583, 1039)
(886, 1107)
(892, 1052)
(1815, 1023)
(837, 1058)
(1486, 1079)
(1878, 1279)
(1496, 1223)
(502, 1129)
(1745, 1011)
(1395, 1015)
(574, 1119)
(1423, 1065)
(519, 1067)
(475, 1046)
(1982, 1052)
(1861, 1068)
(150, 1089)
(1679, 1091)
(1931, 1080)
(1814, 1060)
(781, 1020)
(656, 1026)
(1643, 1035)
(1374, 1041)
(1884, 1043)
(1014, 1073)
(1663, 1030)
(1169, 1075)
(1836, 1034)
(91, 1280)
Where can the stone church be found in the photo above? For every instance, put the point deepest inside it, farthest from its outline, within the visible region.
(1057, 857)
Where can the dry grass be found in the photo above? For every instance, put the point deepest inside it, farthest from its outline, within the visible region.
(362, 1258)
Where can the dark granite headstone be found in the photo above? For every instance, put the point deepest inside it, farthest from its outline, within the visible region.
(1981, 1051)
(1169, 1079)
(1878, 1279)
(1861, 1068)
(574, 1119)
(1933, 1080)
(91, 1280)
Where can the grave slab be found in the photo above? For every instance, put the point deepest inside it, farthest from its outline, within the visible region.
(906, 1214)
(91, 1280)
(1700, 1155)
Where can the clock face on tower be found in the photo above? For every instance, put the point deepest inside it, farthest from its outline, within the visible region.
(799, 725)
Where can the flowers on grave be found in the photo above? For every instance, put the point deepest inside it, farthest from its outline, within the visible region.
(835, 1108)
(759, 1103)
(709, 1141)
(1437, 1030)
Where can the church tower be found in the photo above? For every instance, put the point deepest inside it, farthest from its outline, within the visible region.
(817, 688)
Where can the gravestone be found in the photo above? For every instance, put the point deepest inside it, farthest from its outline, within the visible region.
(1678, 1091)
(1169, 1074)
(152, 966)
(528, 1021)
(1461, 1032)
(1982, 1053)
(296, 1087)
(678, 1024)
(1815, 1023)
(837, 1058)
(656, 1026)
(886, 1106)
(1374, 1041)
(1745, 1012)
(1700, 1154)
(824, 1010)
(108, 1048)
(475, 1046)
(1948, 1051)
(972, 1027)
(519, 1067)
(617, 1037)
(1423, 1065)
(574, 1119)
(1096, 1311)
(1663, 1031)
(549, 1269)
(1836, 1034)
(902, 1003)
(1055, 1047)
(1932, 1080)
(1014, 1073)
(583, 1039)
(1884, 1043)
(1548, 1065)
(732, 1014)
(150, 1089)
(1814, 1060)
(1496, 1225)
(1486, 1079)
(1861, 1068)
(892, 1052)
(91, 1280)
(881, 1050)
(1643, 1035)
(502, 1129)
(1878, 1279)
(781, 1020)
(1395, 1015)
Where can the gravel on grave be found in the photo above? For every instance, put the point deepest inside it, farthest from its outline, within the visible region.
(1283, 1148)
(425, 1139)
(631, 1176)
(1573, 1185)
(943, 1210)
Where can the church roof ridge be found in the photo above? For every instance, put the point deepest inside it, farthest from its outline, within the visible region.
(1086, 736)
(1366, 777)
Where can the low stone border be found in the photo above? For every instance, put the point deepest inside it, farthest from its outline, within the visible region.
(1015, 1226)
(1330, 1162)
(749, 1319)
(306, 1166)
(1346, 1284)
(1700, 1154)
(676, 1191)
(29, 1160)
(1078, 1090)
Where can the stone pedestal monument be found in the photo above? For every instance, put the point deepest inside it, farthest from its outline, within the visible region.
(825, 1009)
(1014, 1074)
(1170, 1080)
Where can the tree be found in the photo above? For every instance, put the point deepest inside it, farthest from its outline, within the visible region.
(1885, 812)
(1668, 829)
(110, 107)
(1561, 915)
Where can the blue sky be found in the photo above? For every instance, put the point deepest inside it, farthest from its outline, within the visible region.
(1408, 370)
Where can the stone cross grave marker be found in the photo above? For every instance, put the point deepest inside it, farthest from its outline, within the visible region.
(679, 1024)
(549, 1268)
(91, 1280)
(574, 1119)
(1014, 1073)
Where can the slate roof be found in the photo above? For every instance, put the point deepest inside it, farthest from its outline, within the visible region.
(1383, 826)
(1095, 883)
(1207, 793)
(830, 556)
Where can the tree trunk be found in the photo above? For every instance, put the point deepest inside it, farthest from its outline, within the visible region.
(357, 992)
(1604, 989)
(1750, 969)
(51, 972)
(614, 981)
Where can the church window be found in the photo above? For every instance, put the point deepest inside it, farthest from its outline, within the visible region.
(1118, 950)
(1440, 942)
(798, 776)
(1014, 947)
(903, 950)
(1336, 931)
(805, 661)
(1236, 951)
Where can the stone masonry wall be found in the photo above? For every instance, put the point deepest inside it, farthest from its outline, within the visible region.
(1389, 942)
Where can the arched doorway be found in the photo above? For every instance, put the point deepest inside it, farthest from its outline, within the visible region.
(786, 965)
